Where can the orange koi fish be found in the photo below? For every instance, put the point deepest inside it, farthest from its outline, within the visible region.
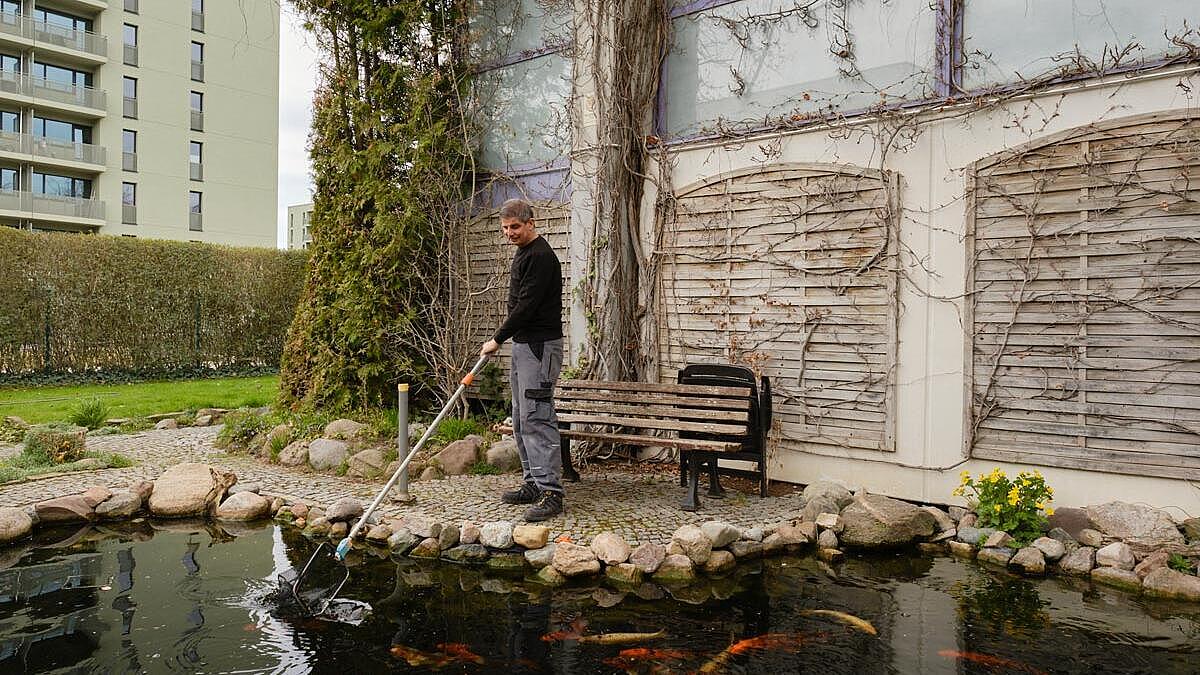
(573, 631)
(460, 652)
(777, 641)
(450, 653)
(998, 663)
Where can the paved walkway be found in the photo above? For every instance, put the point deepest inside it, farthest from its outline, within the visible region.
(640, 507)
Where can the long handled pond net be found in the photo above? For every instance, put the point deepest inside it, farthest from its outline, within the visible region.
(313, 592)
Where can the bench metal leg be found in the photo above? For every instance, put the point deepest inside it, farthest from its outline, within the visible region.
(691, 501)
(683, 465)
(569, 473)
(714, 479)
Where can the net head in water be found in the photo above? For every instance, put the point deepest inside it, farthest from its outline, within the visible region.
(315, 603)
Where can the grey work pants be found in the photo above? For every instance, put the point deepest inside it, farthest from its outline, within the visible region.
(535, 424)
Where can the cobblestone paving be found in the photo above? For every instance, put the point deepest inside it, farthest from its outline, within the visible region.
(639, 507)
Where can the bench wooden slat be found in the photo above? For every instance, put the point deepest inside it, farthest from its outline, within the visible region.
(652, 423)
(698, 389)
(650, 410)
(633, 439)
(656, 398)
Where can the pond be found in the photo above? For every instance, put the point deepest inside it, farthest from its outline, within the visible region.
(192, 597)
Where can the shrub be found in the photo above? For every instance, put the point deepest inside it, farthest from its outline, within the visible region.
(135, 425)
(1017, 507)
(11, 432)
(485, 469)
(1179, 563)
(241, 428)
(89, 413)
(454, 428)
(278, 443)
(55, 443)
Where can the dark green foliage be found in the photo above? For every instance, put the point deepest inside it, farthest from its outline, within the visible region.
(120, 308)
(90, 413)
(390, 165)
(485, 469)
(1180, 564)
(241, 428)
(454, 428)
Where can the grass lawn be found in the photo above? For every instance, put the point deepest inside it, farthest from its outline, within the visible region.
(50, 404)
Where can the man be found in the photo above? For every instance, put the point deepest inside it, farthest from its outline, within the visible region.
(534, 324)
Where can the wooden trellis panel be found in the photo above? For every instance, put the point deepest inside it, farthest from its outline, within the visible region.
(1084, 262)
(489, 259)
(790, 269)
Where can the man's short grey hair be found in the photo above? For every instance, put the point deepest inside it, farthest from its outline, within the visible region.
(517, 208)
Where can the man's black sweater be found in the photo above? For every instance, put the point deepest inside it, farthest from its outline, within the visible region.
(534, 295)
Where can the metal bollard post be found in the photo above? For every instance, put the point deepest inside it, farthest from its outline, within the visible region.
(401, 494)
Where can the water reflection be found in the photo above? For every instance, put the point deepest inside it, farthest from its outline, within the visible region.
(192, 597)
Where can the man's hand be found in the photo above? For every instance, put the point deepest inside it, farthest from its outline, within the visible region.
(489, 347)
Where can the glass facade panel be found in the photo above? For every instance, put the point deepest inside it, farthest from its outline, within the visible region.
(128, 140)
(60, 75)
(61, 186)
(525, 107)
(727, 71)
(60, 130)
(9, 63)
(506, 27)
(1007, 41)
(198, 6)
(61, 20)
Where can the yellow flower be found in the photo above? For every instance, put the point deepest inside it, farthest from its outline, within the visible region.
(1040, 505)
(1013, 495)
(1049, 512)
(997, 508)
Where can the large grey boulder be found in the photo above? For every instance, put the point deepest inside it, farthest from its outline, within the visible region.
(1117, 554)
(1079, 561)
(498, 534)
(367, 463)
(1052, 549)
(120, 505)
(295, 454)
(347, 429)
(720, 533)
(691, 541)
(504, 455)
(244, 506)
(676, 569)
(540, 557)
(1135, 522)
(824, 497)
(325, 454)
(343, 510)
(458, 457)
(1029, 561)
(1168, 583)
(875, 521)
(14, 524)
(189, 489)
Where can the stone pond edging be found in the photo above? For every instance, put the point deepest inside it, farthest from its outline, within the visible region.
(1131, 552)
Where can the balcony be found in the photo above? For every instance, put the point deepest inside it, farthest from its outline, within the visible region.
(197, 71)
(130, 55)
(129, 214)
(197, 120)
(51, 150)
(129, 108)
(78, 44)
(195, 221)
(198, 21)
(129, 161)
(37, 206)
(25, 89)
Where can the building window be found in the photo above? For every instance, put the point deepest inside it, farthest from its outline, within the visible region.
(58, 75)
(45, 127)
(61, 186)
(60, 21)
(129, 203)
(195, 159)
(129, 94)
(198, 15)
(131, 45)
(197, 101)
(198, 62)
(195, 213)
(10, 63)
(10, 7)
(9, 181)
(128, 150)
(10, 121)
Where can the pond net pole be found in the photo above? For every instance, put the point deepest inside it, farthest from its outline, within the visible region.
(401, 494)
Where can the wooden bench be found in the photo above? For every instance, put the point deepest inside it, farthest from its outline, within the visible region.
(701, 422)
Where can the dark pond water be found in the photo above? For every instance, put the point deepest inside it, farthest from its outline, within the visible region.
(194, 598)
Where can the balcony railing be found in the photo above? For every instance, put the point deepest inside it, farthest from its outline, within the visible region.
(51, 205)
(62, 92)
(51, 148)
(130, 55)
(197, 120)
(197, 170)
(198, 21)
(12, 23)
(129, 107)
(129, 161)
(195, 221)
(129, 214)
(198, 71)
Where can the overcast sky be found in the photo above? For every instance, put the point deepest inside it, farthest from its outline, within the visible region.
(297, 77)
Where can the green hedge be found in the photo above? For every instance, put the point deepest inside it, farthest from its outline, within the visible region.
(93, 305)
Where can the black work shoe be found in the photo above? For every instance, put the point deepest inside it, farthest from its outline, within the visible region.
(526, 494)
(549, 505)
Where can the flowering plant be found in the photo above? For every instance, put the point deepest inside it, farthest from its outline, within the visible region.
(1017, 507)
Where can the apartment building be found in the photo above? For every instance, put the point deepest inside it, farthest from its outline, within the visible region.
(299, 217)
(150, 118)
